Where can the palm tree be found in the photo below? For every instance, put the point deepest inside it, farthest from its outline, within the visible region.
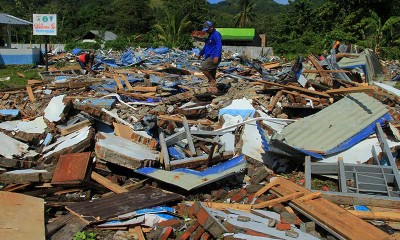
(381, 33)
(173, 26)
(246, 13)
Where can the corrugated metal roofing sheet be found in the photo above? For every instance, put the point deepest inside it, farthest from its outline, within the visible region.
(189, 179)
(8, 19)
(107, 35)
(333, 125)
(237, 33)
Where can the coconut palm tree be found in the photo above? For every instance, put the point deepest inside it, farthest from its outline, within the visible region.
(173, 26)
(246, 13)
(381, 34)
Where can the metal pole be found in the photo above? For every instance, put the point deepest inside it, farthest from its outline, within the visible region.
(45, 52)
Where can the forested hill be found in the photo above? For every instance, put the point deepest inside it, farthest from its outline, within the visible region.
(261, 6)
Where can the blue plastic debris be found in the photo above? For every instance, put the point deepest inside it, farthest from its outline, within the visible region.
(161, 50)
(361, 208)
(9, 112)
(76, 51)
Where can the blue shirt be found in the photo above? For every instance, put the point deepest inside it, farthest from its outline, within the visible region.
(213, 46)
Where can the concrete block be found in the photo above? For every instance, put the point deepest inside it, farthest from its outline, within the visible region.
(292, 233)
(307, 227)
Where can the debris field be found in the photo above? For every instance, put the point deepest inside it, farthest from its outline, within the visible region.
(143, 148)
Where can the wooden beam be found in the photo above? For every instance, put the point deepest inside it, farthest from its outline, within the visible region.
(267, 187)
(324, 71)
(74, 127)
(274, 100)
(107, 183)
(119, 84)
(180, 120)
(316, 64)
(127, 83)
(272, 202)
(30, 93)
(223, 206)
(352, 90)
(310, 196)
(301, 89)
(381, 216)
(144, 89)
(139, 233)
(328, 215)
(361, 199)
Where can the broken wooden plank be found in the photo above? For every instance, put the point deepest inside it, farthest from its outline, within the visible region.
(107, 183)
(375, 215)
(17, 209)
(68, 231)
(107, 207)
(274, 100)
(310, 196)
(328, 215)
(58, 223)
(361, 199)
(267, 187)
(144, 89)
(180, 119)
(119, 84)
(352, 90)
(313, 92)
(223, 206)
(75, 127)
(324, 71)
(127, 83)
(30, 93)
(316, 64)
(272, 202)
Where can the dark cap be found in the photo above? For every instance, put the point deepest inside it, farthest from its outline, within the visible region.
(206, 26)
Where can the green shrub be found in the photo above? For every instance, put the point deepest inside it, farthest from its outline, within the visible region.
(82, 45)
(185, 42)
(119, 44)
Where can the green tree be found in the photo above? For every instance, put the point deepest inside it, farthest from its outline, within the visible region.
(246, 13)
(377, 33)
(130, 17)
(173, 27)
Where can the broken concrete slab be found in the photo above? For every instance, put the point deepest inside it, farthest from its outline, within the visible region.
(122, 152)
(36, 126)
(239, 107)
(107, 104)
(11, 148)
(55, 110)
(72, 143)
(190, 179)
(25, 176)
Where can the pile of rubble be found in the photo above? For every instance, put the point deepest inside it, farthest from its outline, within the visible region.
(145, 148)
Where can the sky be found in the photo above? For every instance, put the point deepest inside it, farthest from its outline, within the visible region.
(278, 1)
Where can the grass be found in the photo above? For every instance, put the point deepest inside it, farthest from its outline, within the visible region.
(397, 85)
(16, 81)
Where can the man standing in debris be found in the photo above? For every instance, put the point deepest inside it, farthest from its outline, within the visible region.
(86, 61)
(212, 53)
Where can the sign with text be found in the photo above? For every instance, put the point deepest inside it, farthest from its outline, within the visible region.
(45, 24)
